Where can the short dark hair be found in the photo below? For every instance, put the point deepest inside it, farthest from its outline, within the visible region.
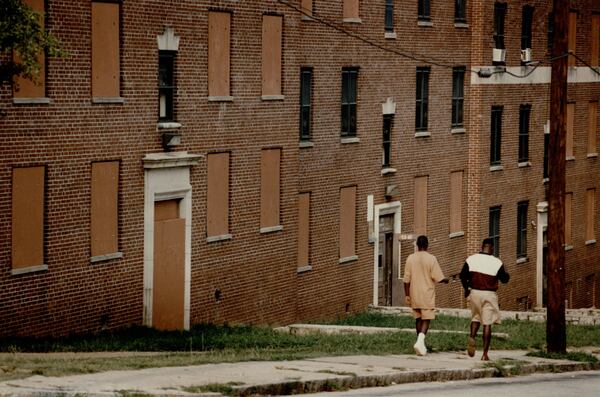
(422, 242)
(487, 241)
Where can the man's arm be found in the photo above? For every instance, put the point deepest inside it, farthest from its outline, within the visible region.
(407, 293)
(465, 278)
(503, 275)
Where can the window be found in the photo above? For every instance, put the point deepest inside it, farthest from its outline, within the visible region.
(595, 40)
(307, 7)
(590, 206)
(217, 195)
(105, 209)
(546, 146)
(458, 96)
(460, 11)
(305, 102)
(572, 37)
(303, 230)
(568, 219)
(592, 126)
(219, 32)
(496, 136)
(387, 138)
(272, 33)
(349, 97)
(105, 50)
(499, 16)
(389, 15)
(347, 223)
(420, 205)
(526, 25)
(424, 10)
(550, 31)
(28, 217)
(269, 190)
(422, 101)
(166, 85)
(570, 130)
(351, 11)
(494, 228)
(522, 208)
(25, 88)
(456, 187)
(524, 116)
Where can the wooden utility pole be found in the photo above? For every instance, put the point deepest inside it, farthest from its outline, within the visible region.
(556, 336)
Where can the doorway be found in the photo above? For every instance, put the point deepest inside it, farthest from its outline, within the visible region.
(386, 260)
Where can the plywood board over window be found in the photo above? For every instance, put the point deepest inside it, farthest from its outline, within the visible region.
(269, 189)
(272, 29)
(219, 37)
(456, 182)
(105, 50)
(572, 36)
(303, 229)
(592, 127)
(420, 205)
(28, 217)
(590, 207)
(25, 88)
(217, 206)
(351, 9)
(347, 223)
(570, 129)
(307, 7)
(105, 208)
(595, 40)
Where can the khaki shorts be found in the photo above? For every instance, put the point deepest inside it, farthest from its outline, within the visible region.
(484, 307)
(425, 314)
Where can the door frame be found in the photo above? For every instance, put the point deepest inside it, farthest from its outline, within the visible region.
(393, 208)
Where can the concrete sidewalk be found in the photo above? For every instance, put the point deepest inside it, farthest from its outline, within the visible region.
(288, 377)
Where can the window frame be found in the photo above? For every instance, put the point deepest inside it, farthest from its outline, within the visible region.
(496, 136)
(305, 103)
(422, 98)
(458, 96)
(522, 213)
(388, 122)
(494, 227)
(524, 123)
(460, 11)
(389, 16)
(527, 26)
(349, 102)
(424, 10)
(168, 90)
(499, 16)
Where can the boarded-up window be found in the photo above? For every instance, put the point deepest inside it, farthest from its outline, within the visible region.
(105, 50)
(420, 209)
(347, 221)
(595, 40)
(217, 201)
(219, 31)
(456, 182)
(25, 88)
(303, 229)
(271, 54)
(572, 36)
(568, 219)
(28, 217)
(570, 129)
(592, 126)
(590, 219)
(105, 209)
(307, 7)
(269, 187)
(351, 9)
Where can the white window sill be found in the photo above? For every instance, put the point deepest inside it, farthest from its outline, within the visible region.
(224, 98)
(424, 23)
(214, 239)
(306, 18)
(458, 130)
(422, 134)
(495, 168)
(353, 139)
(271, 229)
(545, 180)
(352, 20)
(524, 164)
(390, 35)
(272, 97)
(31, 101)
(305, 144)
(115, 100)
(386, 171)
(570, 158)
(106, 257)
(168, 125)
(456, 234)
(30, 269)
(592, 155)
(522, 260)
(590, 242)
(348, 259)
(461, 25)
(304, 269)
(568, 247)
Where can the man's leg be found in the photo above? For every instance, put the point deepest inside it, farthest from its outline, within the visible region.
(424, 327)
(418, 325)
(472, 342)
(487, 338)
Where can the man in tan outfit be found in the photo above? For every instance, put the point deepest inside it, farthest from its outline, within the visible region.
(421, 273)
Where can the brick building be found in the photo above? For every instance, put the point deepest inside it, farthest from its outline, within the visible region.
(269, 161)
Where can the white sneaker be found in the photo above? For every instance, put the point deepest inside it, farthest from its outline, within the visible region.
(420, 348)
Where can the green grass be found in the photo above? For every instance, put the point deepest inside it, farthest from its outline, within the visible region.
(571, 356)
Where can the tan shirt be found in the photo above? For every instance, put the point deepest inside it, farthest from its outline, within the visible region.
(422, 271)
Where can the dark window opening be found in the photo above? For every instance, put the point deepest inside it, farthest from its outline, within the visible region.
(389, 15)
(524, 116)
(424, 9)
(387, 139)
(550, 31)
(522, 208)
(349, 96)
(546, 144)
(526, 25)
(422, 98)
(305, 103)
(496, 135)
(458, 96)
(166, 85)
(494, 228)
(460, 11)
(499, 16)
